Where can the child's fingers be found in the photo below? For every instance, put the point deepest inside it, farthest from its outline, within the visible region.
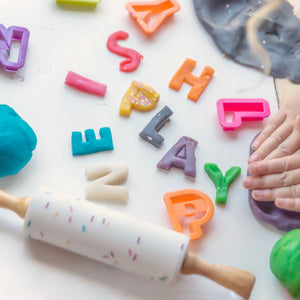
(292, 204)
(284, 179)
(271, 194)
(273, 166)
(274, 123)
(272, 143)
(288, 147)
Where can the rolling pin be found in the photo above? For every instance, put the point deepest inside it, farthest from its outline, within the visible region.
(117, 239)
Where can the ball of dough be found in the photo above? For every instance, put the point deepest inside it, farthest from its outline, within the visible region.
(18, 140)
(285, 262)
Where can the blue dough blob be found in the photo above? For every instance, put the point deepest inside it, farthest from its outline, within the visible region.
(17, 141)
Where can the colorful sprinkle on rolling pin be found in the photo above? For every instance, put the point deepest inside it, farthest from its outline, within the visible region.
(139, 96)
(221, 182)
(133, 58)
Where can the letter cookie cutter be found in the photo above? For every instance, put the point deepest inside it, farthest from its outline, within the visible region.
(241, 109)
(7, 35)
(189, 203)
(142, 11)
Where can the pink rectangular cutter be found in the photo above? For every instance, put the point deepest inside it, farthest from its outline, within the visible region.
(241, 109)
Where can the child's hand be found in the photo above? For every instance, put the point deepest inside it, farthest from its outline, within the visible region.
(280, 137)
(276, 179)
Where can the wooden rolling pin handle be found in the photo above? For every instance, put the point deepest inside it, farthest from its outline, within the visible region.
(18, 205)
(239, 281)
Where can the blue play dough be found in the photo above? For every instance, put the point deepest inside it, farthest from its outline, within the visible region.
(17, 141)
(92, 145)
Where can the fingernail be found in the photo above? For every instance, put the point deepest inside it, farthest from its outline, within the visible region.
(258, 194)
(253, 158)
(253, 168)
(280, 202)
(255, 145)
(247, 182)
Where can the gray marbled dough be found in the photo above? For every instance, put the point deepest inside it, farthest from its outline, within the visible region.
(225, 21)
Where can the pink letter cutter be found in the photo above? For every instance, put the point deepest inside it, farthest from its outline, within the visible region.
(241, 109)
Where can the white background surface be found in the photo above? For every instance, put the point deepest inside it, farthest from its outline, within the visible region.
(64, 39)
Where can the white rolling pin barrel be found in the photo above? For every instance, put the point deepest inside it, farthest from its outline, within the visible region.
(105, 235)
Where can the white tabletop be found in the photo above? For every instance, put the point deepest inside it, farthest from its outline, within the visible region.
(63, 39)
